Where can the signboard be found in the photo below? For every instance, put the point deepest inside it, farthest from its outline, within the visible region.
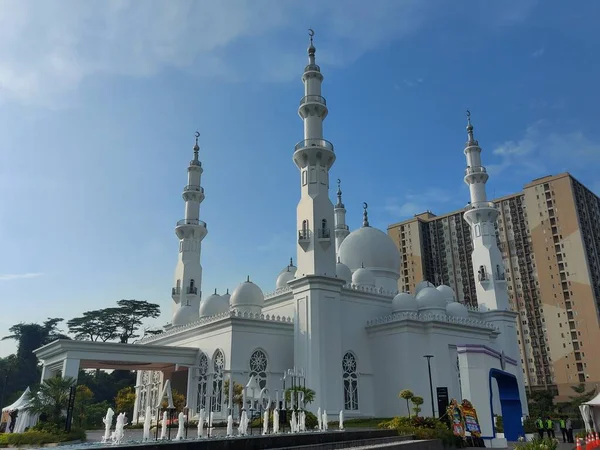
(471, 419)
(442, 399)
(455, 415)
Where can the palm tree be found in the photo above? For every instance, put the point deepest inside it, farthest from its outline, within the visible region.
(309, 394)
(51, 398)
(407, 395)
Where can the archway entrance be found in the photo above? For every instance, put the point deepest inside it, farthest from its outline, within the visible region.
(510, 403)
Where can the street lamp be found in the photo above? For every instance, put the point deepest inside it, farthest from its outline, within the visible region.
(430, 382)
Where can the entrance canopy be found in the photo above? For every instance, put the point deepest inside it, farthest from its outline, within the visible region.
(590, 412)
(68, 356)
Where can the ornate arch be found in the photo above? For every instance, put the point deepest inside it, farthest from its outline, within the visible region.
(202, 382)
(218, 368)
(258, 364)
(350, 381)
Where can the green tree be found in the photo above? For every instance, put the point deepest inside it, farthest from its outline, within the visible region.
(309, 394)
(50, 398)
(407, 395)
(417, 401)
(30, 336)
(541, 403)
(129, 315)
(125, 401)
(238, 394)
(84, 398)
(97, 325)
(178, 401)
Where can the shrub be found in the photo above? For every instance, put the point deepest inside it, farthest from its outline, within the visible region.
(538, 444)
(34, 437)
(529, 425)
(423, 428)
(499, 424)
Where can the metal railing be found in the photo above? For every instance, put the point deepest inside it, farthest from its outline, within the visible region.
(192, 187)
(312, 67)
(314, 143)
(323, 233)
(303, 235)
(176, 291)
(313, 99)
(191, 222)
(192, 290)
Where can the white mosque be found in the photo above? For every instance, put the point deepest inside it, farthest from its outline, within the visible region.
(336, 319)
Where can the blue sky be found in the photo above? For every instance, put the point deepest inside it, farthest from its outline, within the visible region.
(99, 101)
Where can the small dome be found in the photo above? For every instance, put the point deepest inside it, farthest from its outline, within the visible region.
(363, 277)
(214, 304)
(283, 278)
(226, 296)
(430, 298)
(343, 272)
(372, 248)
(447, 292)
(457, 309)
(247, 295)
(289, 268)
(421, 285)
(184, 315)
(404, 302)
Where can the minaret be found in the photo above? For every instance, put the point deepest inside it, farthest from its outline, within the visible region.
(190, 231)
(341, 229)
(481, 215)
(314, 157)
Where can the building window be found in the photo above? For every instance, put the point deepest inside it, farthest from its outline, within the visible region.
(202, 383)
(218, 366)
(258, 367)
(350, 379)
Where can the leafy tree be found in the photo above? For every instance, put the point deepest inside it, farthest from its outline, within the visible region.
(125, 401)
(572, 406)
(98, 325)
(84, 398)
(407, 395)
(541, 403)
(31, 336)
(129, 315)
(309, 394)
(417, 401)
(238, 394)
(105, 385)
(51, 398)
(178, 401)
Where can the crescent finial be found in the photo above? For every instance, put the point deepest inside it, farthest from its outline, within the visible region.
(365, 205)
(311, 32)
(197, 134)
(468, 114)
(339, 181)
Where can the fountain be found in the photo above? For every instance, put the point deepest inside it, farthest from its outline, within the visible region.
(324, 420)
(320, 419)
(180, 427)
(107, 424)
(265, 429)
(147, 423)
(200, 423)
(342, 420)
(229, 425)
(293, 423)
(119, 433)
(303, 421)
(243, 428)
(276, 421)
(163, 428)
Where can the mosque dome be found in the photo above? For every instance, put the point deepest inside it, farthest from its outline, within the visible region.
(214, 304)
(429, 298)
(404, 302)
(226, 296)
(289, 268)
(457, 309)
(421, 285)
(343, 272)
(283, 278)
(247, 296)
(370, 247)
(447, 292)
(184, 315)
(363, 277)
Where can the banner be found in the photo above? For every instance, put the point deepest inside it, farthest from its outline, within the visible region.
(457, 421)
(470, 418)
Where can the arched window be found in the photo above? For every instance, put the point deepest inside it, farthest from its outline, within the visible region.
(350, 379)
(192, 284)
(202, 383)
(324, 224)
(258, 367)
(218, 366)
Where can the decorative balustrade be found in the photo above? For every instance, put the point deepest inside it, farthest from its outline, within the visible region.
(427, 317)
(192, 187)
(475, 169)
(314, 143)
(191, 222)
(313, 99)
(192, 290)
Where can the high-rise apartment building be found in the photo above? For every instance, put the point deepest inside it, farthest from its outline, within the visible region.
(549, 236)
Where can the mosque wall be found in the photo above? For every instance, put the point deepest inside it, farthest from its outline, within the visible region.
(286, 308)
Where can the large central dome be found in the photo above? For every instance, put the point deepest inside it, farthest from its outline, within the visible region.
(369, 247)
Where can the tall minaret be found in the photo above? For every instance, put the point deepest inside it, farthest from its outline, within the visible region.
(190, 231)
(314, 157)
(341, 229)
(481, 216)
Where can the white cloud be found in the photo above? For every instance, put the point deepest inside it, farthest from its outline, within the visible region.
(541, 151)
(538, 53)
(18, 276)
(49, 48)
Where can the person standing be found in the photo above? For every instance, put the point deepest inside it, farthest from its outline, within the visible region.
(550, 427)
(563, 429)
(539, 423)
(569, 426)
(13, 420)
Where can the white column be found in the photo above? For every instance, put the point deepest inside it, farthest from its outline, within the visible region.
(70, 368)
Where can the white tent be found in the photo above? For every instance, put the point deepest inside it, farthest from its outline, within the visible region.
(590, 412)
(24, 418)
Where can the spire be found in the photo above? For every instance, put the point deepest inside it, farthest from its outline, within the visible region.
(196, 161)
(471, 140)
(365, 215)
(291, 262)
(215, 291)
(339, 203)
(311, 48)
